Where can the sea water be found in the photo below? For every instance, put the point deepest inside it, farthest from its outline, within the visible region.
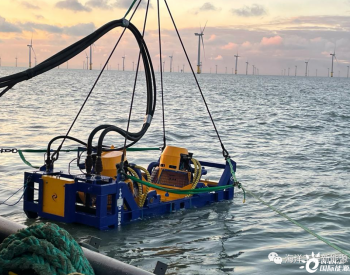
(290, 137)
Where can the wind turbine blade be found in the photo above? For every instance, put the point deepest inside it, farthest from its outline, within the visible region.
(336, 59)
(203, 45)
(205, 26)
(33, 51)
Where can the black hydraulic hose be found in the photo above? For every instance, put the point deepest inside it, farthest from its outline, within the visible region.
(92, 134)
(48, 161)
(68, 53)
(98, 165)
(151, 103)
(132, 137)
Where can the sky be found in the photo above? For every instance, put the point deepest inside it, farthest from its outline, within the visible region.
(272, 35)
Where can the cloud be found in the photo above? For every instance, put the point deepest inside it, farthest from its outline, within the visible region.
(75, 30)
(80, 29)
(29, 5)
(31, 26)
(125, 4)
(229, 46)
(219, 57)
(208, 7)
(247, 44)
(8, 27)
(73, 5)
(253, 10)
(212, 37)
(39, 17)
(100, 4)
(275, 40)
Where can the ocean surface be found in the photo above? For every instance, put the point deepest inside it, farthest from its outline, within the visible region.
(290, 137)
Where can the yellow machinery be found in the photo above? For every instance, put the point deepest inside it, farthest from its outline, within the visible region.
(173, 172)
(109, 162)
(54, 194)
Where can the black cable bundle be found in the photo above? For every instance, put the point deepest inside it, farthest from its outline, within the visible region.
(71, 51)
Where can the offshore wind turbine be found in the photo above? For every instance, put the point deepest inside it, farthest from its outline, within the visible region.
(30, 47)
(333, 55)
(87, 61)
(90, 57)
(236, 56)
(347, 75)
(30, 52)
(16, 61)
(246, 68)
(171, 61)
(123, 62)
(306, 63)
(296, 67)
(200, 38)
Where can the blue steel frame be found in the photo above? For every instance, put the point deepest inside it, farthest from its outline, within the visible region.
(123, 207)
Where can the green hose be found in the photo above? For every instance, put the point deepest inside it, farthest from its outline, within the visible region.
(177, 191)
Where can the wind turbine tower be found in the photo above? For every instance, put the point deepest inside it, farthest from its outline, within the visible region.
(123, 62)
(236, 56)
(87, 61)
(30, 53)
(306, 63)
(30, 47)
(246, 68)
(171, 62)
(347, 75)
(200, 37)
(16, 61)
(333, 55)
(90, 57)
(296, 67)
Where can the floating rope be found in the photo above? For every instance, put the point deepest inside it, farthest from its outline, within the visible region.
(240, 186)
(234, 179)
(44, 249)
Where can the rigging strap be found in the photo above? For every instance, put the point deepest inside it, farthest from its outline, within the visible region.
(134, 88)
(224, 151)
(161, 74)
